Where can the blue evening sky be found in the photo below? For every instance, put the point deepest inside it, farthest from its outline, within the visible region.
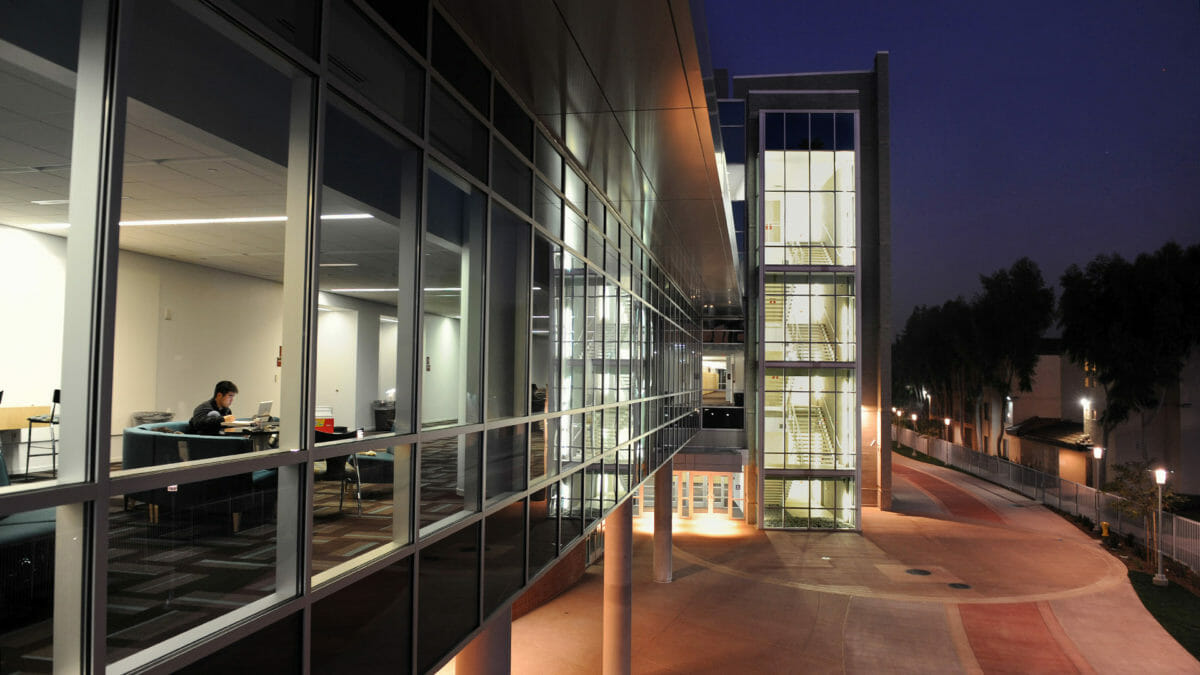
(1056, 130)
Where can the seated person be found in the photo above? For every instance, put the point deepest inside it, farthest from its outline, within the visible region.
(208, 417)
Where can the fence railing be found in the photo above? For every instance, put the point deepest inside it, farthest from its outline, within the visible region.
(1180, 536)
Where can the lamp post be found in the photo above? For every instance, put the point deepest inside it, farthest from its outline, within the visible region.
(914, 419)
(1160, 477)
(1097, 454)
(947, 423)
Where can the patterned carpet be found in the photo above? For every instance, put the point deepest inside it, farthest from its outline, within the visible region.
(191, 567)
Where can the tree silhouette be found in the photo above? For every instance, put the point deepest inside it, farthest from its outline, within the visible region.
(1135, 324)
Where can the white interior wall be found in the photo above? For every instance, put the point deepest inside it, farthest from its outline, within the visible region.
(32, 276)
(135, 384)
(442, 364)
(387, 357)
(337, 332)
(212, 325)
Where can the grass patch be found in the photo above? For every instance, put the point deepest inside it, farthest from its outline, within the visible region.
(1175, 608)
(919, 456)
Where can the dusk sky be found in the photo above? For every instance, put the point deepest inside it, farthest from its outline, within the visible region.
(1056, 130)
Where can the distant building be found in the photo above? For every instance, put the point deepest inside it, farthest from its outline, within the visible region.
(1170, 435)
(1055, 426)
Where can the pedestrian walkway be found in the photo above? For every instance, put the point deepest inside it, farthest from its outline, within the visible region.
(963, 576)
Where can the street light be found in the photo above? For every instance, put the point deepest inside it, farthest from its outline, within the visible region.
(947, 423)
(914, 418)
(1160, 477)
(1097, 453)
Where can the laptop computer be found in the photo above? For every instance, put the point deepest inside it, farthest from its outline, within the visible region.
(264, 412)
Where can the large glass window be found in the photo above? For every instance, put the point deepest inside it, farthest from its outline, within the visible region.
(365, 59)
(546, 295)
(181, 555)
(450, 479)
(367, 280)
(360, 508)
(506, 452)
(810, 418)
(201, 266)
(810, 503)
(809, 212)
(365, 624)
(453, 301)
(574, 332)
(37, 105)
(508, 315)
(448, 605)
(503, 555)
(809, 317)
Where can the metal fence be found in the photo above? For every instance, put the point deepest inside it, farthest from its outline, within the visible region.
(1180, 536)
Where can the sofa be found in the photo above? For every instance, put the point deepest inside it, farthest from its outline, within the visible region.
(26, 564)
(161, 443)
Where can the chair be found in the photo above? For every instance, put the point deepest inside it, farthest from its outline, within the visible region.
(335, 467)
(50, 421)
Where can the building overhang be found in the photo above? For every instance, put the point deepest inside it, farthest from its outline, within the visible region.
(625, 87)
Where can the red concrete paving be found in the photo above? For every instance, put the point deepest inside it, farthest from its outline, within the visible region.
(1013, 638)
(1043, 597)
(958, 502)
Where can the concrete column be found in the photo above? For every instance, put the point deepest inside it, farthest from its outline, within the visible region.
(618, 591)
(662, 523)
(490, 653)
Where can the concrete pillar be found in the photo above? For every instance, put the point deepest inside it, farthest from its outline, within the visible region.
(662, 523)
(618, 590)
(490, 653)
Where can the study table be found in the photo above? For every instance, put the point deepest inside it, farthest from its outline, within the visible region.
(14, 420)
(260, 436)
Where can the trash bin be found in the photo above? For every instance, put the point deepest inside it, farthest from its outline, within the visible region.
(385, 415)
(151, 417)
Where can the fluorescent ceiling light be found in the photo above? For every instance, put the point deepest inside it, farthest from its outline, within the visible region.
(339, 264)
(49, 202)
(443, 290)
(388, 319)
(346, 216)
(213, 221)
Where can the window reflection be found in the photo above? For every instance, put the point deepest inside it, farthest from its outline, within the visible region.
(181, 555)
(506, 451)
(368, 235)
(450, 479)
(508, 315)
(453, 301)
(360, 506)
(448, 605)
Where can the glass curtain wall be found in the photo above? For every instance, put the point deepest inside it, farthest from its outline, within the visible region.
(348, 352)
(809, 420)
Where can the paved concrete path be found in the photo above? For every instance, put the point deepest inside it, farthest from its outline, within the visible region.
(1039, 596)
